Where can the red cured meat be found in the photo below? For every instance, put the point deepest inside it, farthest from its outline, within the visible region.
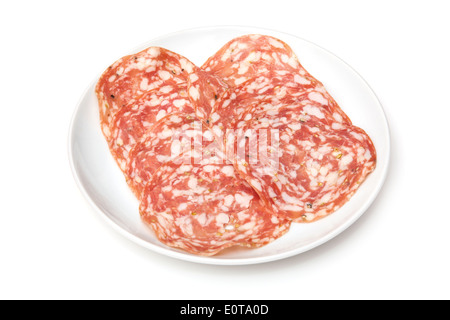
(171, 136)
(132, 122)
(131, 76)
(249, 56)
(205, 89)
(269, 95)
(206, 208)
(310, 170)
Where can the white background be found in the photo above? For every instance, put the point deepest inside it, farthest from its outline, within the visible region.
(53, 245)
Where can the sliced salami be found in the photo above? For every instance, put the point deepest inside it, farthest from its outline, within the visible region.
(304, 169)
(132, 122)
(247, 57)
(170, 137)
(131, 76)
(268, 95)
(206, 208)
(205, 89)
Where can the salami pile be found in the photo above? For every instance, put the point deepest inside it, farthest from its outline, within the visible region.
(232, 152)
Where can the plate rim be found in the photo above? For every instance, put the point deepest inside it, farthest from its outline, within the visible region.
(232, 261)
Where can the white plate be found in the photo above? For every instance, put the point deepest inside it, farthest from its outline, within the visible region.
(103, 184)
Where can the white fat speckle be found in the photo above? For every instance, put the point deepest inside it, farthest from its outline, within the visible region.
(357, 136)
(242, 45)
(314, 111)
(217, 131)
(240, 80)
(154, 101)
(112, 78)
(325, 198)
(144, 84)
(192, 183)
(120, 71)
(182, 207)
(164, 134)
(194, 93)
(222, 218)
(248, 226)
(295, 126)
(153, 51)
(166, 89)
(106, 130)
(243, 68)
(291, 200)
(228, 200)
(337, 126)
(337, 117)
(186, 65)
(269, 111)
(314, 130)
(184, 168)
(275, 43)
(367, 154)
(285, 137)
(293, 62)
(190, 133)
(215, 117)
(323, 171)
(150, 69)
(179, 103)
(162, 158)
(193, 77)
(345, 161)
(256, 185)
(175, 119)
(207, 135)
(229, 228)
(266, 57)
(161, 114)
(290, 207)
(243, 199)
(175, 147)
(226, 55)
(316, 96)
(299, 79)
(228, 171)
(201, 218)
(332, 178)
(253, 56)
(272, 193)
(209, 168)
(122, 164)
(165, 75)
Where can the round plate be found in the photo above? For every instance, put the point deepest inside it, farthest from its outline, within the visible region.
(104, 186)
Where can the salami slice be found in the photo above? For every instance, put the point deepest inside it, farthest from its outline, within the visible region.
(170, 137)
(205, 89)
(247, 57)
(131, 76)
(132, 122)
(206, 208)
(303, 168)
(268, 95)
